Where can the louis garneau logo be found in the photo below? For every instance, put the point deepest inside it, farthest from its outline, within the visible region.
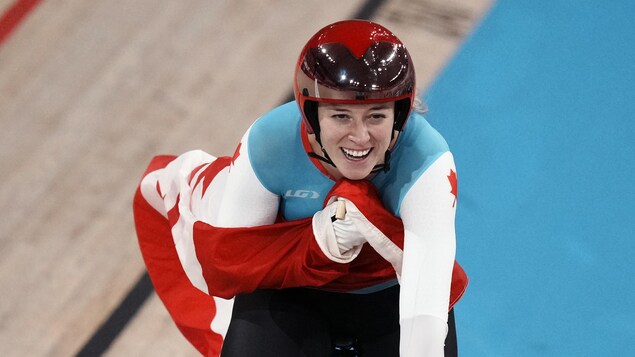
(301, 194)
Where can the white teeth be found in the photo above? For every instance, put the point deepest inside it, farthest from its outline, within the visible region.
(356, 153)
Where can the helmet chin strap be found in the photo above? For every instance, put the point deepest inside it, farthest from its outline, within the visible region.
(385, 166)
(326, 158)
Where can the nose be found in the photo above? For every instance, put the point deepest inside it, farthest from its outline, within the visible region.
(359, 132)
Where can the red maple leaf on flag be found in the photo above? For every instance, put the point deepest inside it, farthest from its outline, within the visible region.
(454, 184)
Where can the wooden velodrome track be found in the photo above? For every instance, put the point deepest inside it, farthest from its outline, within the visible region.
(91, 90)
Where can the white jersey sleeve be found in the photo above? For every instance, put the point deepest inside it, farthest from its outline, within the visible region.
(243, 201)
(428, 212)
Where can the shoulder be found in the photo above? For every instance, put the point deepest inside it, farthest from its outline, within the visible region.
(419, 146)
(280, 122)
(271, 134)
(420, 138)
(273, 142)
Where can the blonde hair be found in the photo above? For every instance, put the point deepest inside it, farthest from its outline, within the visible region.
(418, 105)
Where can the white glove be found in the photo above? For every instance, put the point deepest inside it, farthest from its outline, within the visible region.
(339, 239)
(346, 233)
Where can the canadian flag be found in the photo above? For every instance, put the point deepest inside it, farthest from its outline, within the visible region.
(230, 261)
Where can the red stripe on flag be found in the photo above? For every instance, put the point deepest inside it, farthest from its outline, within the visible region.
(14, 15)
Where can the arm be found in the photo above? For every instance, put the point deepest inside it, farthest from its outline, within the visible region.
(224, 261)
(163, 218)
(242, 201)
(190, 191)
(428, 212)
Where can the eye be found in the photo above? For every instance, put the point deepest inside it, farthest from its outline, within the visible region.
(340, 116)
(377, 116)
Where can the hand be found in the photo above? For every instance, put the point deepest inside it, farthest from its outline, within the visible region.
(372, 234)
(339, 239)
(346, 233)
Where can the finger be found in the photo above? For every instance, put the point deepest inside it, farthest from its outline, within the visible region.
(340, 212)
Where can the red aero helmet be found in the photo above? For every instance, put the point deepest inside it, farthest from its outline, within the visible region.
(354, 61)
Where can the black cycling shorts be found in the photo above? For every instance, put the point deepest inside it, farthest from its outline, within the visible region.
(314, 323)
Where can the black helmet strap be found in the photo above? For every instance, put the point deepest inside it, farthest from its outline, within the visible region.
(324, 158)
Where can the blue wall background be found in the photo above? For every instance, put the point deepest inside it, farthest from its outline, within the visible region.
(538, 107)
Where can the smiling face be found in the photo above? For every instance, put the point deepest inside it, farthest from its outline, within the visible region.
(355, 136)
